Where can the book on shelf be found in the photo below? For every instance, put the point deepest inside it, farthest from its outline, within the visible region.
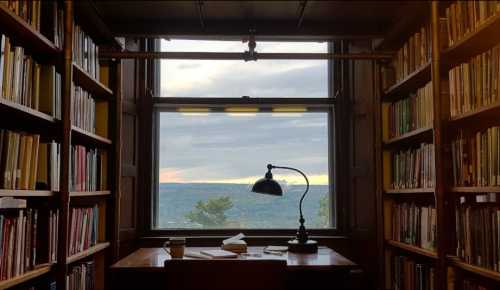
(472, 285)
(23, 240)
(478, 231)
(29, 11)
(476, 158)
(50, 91)
(408, 274)
(83, 110)
(84, 229)
(465, 17)
(413, 167)
(411, 113)
(82, 277)
(88, 171)
(414, 225)
(85, 52)
(475, 83)
(10, 202)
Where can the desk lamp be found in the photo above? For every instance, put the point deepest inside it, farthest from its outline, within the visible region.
(267, 185)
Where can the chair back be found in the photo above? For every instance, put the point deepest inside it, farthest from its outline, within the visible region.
(227, 274)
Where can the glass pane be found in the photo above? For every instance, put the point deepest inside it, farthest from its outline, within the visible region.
(237, 78)
(209, 161)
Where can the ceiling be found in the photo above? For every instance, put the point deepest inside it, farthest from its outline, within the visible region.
(268, 19)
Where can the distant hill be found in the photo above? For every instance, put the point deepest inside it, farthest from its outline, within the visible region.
(250, 210)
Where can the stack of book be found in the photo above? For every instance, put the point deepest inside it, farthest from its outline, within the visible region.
(24, 81)
(85, 52)
(414, 224)
(475, 83)
(413, 168)
(472, 285)
(478, 231)
(81, 277)
(30, 11)
(408, 274)
(464, 17)
(83, 229)
(476, 159)
(25, 163)
(411, 113)
(415, 53)
(24, 243)
(83, 110)
(88, 170)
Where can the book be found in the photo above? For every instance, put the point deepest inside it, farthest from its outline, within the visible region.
(410, 274)
(83, 110)
(221, 254)
(89, 169)
(84, 229)
(413, 167)
(10, 202)
(82, 277)
(414, 225)
(85, 52)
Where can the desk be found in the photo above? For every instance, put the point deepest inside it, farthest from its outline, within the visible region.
(142, 269)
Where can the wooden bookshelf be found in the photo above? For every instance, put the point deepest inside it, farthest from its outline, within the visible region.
(15, 27)
(26, 193)
(483, 38)
(490, 274)
(409, 191)
(410, 83)
(89, 138)
(415, 136)
(87, 253)
(39, 271)
(479, 115)
(475, 189)
(24, 112)
(93, 86)
(89, 193)
(412, 249)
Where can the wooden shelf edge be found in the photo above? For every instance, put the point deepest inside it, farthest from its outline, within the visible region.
(423, 72)
(37, 272)
(28, 37)
(411, 134)
(475, 189)
(89, 193)
(15, 107)
(457, 262)
(95, 87)
(408, 190)
(492, 108)
(93, 137)
(413, 249)
(25, 193)
(88, 252)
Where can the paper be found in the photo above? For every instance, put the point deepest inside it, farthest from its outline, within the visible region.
(234, 239)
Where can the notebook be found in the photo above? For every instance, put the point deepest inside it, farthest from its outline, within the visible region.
(219, 254)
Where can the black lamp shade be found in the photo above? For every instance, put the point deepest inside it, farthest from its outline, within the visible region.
(267, 186)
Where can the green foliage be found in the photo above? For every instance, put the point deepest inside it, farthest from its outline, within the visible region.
(211, 213)
(324, 212)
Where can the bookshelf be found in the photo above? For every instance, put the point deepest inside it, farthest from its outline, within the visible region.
(102, 201)
(446, 196)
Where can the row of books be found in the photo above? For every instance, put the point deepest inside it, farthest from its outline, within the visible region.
(26, 82)
(85, 52)
(413, 168)
(414, 224)
(478, 231)
(475, 83)
(81, 277)
(83, 110)
(26, 163)
(26, 240)
(472, 285)
(408, 274)
(411, 113)
(415, 53)
(84, 229)
(29, 11)
(476, 158)
(464, 17)
(88, 169)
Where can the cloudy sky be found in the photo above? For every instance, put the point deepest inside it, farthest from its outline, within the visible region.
(235, 148)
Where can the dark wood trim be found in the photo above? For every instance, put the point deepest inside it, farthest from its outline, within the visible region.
(26, 112)
(408, 191)
(116, 167)
(417, 134)
(413, 249)
(87, 253)
(410, 83)
(490, 274)
(85, 137)
(88, 83)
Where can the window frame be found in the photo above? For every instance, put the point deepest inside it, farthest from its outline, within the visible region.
(172, 104)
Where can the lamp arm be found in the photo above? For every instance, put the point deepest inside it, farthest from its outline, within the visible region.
(307, 185)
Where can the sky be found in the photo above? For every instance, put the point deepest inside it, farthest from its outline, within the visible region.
(235, 148)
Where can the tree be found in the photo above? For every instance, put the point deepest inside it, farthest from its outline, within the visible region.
(324, 212)
(211, 213)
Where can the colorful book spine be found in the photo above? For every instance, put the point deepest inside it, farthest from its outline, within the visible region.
(413, 168)
(414, 225)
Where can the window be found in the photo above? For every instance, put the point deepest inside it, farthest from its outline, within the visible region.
(208, 156)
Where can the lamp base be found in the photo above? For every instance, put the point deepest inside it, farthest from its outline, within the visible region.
(310, 246)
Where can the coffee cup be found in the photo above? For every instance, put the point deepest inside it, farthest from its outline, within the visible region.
(175, 247)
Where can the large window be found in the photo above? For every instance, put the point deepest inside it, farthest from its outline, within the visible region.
(208, 157)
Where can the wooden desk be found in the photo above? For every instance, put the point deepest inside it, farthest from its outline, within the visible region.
(142, 269)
